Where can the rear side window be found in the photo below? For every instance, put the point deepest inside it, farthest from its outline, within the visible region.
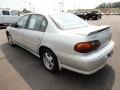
(5, 12)
(43, 25)
(35, 22)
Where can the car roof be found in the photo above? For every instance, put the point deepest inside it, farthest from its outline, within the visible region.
(45, 13)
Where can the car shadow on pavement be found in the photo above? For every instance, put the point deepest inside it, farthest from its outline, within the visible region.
(31, 70)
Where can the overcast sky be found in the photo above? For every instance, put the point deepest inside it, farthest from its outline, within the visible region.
(51, 5)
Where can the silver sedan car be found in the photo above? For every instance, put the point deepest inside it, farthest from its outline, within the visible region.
(63, 40)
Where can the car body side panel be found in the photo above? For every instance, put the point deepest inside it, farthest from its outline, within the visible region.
(32, 39)
(61, 42)
(16, 34)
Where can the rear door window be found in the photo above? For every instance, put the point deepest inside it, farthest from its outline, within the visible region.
(4, 12)
(35, 22)
(44, 25)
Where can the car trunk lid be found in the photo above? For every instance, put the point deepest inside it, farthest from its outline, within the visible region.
(101, 33)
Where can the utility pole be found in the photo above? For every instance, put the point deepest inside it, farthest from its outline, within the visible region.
(29, 5)
(75, 6)
(33, 9)
(61, 3)
(24, 3)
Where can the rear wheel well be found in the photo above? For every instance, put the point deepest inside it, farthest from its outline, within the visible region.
(42, 48)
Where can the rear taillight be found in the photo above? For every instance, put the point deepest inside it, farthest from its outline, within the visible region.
(85, 47)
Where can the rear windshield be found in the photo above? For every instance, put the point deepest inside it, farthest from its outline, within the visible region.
(5, 12)
(67, 21)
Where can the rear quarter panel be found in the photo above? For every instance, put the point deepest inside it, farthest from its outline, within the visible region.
(61, 41)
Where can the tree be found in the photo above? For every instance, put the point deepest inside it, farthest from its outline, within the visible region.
(108, 5)
(116, 5)
(103, 5)
(26, 11)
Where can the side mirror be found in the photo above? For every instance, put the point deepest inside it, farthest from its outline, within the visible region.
(14, 25)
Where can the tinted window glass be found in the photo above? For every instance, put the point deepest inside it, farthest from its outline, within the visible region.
(43, 25)
(5, 12)
(35, 22)
(22, 22)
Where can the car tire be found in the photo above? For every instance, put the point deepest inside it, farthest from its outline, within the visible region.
(49, 60)
(96, 18)
(10, 40)
(0, 26)
(88, 18)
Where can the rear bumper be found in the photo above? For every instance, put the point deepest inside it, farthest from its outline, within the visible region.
(87, 64)
(89, 67)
